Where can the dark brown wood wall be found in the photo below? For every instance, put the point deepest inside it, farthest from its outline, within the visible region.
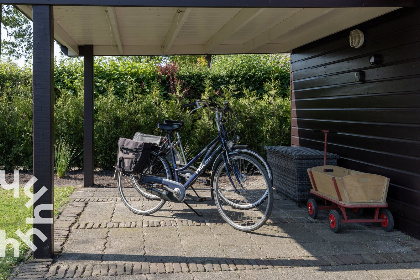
(378, 119)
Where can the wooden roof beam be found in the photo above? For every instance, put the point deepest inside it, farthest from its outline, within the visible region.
(336, 24)
(113, 23)
(242, 18)
(176, 26)
(302, 17)
(66, 40)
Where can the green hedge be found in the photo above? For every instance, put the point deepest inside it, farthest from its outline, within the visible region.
(16, 131)
(133, 96)
(261, 122)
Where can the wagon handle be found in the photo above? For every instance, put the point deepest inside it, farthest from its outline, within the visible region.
(325, 131)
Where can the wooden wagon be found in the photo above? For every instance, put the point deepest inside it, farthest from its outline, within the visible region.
(343, 189)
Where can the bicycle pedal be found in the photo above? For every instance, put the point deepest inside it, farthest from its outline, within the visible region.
(201, 199)
(207, 182)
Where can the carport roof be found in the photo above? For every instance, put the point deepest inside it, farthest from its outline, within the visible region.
(217, 29)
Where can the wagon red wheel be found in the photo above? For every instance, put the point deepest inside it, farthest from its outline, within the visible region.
(388, 220)
(312, 208)
(334, 219)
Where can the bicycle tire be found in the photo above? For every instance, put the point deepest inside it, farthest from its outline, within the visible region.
(134, 193)
(234, 197)
(260, 160)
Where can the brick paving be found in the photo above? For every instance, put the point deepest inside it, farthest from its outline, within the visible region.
(97, 237)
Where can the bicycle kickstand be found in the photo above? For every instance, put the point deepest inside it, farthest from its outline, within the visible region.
(199, 198)
(189, 206)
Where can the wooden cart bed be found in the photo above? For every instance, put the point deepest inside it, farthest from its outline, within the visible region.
(348, 187)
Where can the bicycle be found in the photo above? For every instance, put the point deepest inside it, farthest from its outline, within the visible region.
(241, 187)
(181, 157)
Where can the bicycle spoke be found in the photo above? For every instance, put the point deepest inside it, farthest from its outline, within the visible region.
(244, 200)
(136, 195)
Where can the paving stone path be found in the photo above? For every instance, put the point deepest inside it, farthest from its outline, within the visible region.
(97, 237)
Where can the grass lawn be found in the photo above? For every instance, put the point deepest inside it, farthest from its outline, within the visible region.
(13, 214)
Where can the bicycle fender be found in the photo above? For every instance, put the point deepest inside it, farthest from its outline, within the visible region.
(178, 188)
(233, 152)
(216, 160)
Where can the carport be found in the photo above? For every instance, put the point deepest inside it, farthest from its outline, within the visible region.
(162, 27)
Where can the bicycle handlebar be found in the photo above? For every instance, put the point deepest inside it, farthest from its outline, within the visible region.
(201, 103)
(220, 111)
(192, 104)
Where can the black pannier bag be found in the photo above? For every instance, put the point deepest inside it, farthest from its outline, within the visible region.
(133, 156)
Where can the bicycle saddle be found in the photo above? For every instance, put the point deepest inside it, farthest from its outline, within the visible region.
(168, 127)
(180, 123)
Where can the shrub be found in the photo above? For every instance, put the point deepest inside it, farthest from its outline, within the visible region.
(14, 80)
(135, 95)
(16, 131)
(261, 122)
(125, 78)
(68, 123)
(63, 154)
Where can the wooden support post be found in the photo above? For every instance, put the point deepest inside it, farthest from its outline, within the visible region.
(43, 128)
(88, 117)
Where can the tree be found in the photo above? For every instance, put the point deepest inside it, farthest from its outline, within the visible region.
(18, 40)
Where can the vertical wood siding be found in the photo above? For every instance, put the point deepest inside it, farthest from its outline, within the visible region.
(378, 120)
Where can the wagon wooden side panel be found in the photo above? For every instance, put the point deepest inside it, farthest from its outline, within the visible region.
(349, 186)
(365, 188)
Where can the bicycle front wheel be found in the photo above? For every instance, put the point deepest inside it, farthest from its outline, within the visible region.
(135, 194)
(260, 158)
(243, 192)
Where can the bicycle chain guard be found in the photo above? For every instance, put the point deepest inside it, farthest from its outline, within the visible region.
(175, 190)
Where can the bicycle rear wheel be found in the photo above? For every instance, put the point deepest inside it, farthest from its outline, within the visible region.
(135, 194)
(243, 192)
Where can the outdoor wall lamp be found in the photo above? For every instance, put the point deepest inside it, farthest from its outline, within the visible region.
(375, 59)
(356, 38)
(359, 76)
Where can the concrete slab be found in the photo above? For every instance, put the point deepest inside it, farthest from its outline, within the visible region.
(215, 275)
(97, 212)
(387, 246)
(107, 241)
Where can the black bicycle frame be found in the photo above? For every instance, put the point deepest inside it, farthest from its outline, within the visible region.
(210, 151)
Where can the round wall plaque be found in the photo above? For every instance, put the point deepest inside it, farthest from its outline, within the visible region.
(356, 38)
